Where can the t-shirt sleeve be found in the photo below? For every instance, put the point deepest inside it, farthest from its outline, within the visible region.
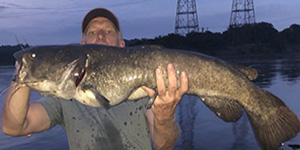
(54, 109)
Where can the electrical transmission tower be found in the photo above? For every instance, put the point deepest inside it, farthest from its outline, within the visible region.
(242, 13)
(186, 17)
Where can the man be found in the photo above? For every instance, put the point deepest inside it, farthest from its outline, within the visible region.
(125, 126)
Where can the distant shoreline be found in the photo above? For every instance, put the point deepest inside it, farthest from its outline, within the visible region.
(264, 56)
(6, 67)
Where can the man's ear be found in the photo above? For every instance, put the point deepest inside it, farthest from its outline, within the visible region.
(82, 40)
(122, 43)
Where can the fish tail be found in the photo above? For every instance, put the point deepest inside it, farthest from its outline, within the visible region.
(274, 126)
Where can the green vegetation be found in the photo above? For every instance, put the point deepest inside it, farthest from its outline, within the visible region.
(261, 38)
(6, 53)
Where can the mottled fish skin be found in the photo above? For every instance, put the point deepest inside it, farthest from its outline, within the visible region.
(105, 76)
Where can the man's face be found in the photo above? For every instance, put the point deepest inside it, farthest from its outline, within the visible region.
(102, 31)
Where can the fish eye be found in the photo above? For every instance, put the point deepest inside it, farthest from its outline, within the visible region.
(33, 55)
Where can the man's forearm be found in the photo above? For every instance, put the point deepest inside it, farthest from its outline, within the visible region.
(15, 109)
(163, 125)
(165, 134)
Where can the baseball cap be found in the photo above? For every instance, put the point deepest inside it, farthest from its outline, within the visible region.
(99, 12)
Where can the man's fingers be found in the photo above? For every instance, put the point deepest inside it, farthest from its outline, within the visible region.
(172, 87)
(173, 92)
(184, 84)
(161, 88)
(17, 66)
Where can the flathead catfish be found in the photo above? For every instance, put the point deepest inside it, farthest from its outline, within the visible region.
(98, 75)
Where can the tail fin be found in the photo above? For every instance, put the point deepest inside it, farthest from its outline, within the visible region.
(274, 128)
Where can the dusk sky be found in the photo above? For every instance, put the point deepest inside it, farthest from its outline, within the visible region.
(40, 22)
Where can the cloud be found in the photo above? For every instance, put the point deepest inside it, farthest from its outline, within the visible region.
(42, 35)
(9, 4)
(18, 6)
(2, 8)
(147, 27)
(126, 3)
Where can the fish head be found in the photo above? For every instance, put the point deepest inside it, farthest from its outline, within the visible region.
(51, 71)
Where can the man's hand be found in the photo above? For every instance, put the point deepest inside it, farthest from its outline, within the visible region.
(165, 103)
(162, 122)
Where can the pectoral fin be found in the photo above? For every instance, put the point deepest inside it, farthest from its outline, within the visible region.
(101, 99)
(89, 96)
(227, 110)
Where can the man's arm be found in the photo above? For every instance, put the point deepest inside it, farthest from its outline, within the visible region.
(161, 117)
(18, 116)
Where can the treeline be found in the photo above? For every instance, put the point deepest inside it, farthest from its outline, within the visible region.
(7, 51)
(260, 38)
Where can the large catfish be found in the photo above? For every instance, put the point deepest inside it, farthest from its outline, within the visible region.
(101, 75)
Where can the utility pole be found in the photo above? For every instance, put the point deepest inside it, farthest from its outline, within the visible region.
(186, 17)
(242, 13)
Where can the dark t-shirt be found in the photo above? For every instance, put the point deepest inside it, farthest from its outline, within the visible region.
(121, 127)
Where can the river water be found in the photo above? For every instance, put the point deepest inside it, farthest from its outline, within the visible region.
(200, 128)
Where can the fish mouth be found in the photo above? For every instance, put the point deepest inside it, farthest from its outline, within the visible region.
(21, 75)
(18, 56)
(80, 76)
